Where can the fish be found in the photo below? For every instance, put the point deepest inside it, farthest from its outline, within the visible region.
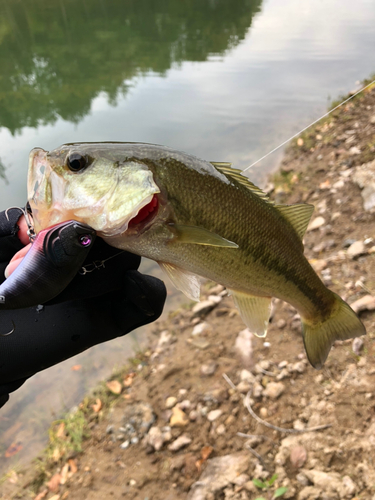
(196, 219)
(54, 258)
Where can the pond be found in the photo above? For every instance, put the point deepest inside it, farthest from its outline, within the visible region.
(226, 81)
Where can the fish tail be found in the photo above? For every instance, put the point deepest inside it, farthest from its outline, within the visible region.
(318, 338)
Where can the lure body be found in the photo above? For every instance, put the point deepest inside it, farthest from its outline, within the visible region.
(53, 260)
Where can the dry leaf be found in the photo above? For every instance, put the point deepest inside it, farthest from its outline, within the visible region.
(97, 406)
(41, 495)
(54, 483)
(13, 449)
(206, 452)
(75, 368)
(114, 386)
(128, 380)
(64, 474)
(56, 455)
(73, 465)
(60, 430)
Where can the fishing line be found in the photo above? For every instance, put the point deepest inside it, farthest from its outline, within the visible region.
(308, 126)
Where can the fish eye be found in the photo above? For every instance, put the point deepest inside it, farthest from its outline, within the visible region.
(76, 162)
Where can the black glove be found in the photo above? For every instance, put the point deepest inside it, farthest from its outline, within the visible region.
(97, 306)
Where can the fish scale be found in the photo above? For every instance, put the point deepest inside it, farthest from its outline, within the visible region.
(205, 220)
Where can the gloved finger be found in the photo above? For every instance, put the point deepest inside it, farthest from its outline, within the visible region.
(9, 241)
(141, 301)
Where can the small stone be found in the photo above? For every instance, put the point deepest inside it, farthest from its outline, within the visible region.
(339, 184)
(298, 456)
(257, 390)
(244, 387)
(132, 482)
(355, 150)
(298, 367)
(244, 346)
(300, 141)
(214, 415)
(110, 429)
(125, 444)
(178, 418)
(302, 479)
(155, 438)
(274, 390)
(247, 376)
(356, 249)
(201, 328)
(316, 223)
(170, 402)
(203, 308)
(179, 443)
(193, 415)
(165, 339)
(366, 303)
(208, 368)
(357, 345)
(184, 405)
(318, 264)
(281, 324)
(263, 412)
(221, 429)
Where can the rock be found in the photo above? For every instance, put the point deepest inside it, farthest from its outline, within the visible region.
(316, 223)
(221, 429)
(200, 328)
(244, 346)
(257, 390)
(247, 376)
(366, 303)
(178, 418)
(318, 264)
(365, 178)
(355, 150)
(218, 474)
(208, 368)
(244, 387)
(214, 415)
(309, 493)
(274, 390)
(155, 438)
(137, 420)
(357, 345)
(179, 443)
(125, 444)
(165, 339)
(298, 367)
(281, 323)
(170, 402)
(203, 308)
(298, 456)
(332, 482)
(356, 249)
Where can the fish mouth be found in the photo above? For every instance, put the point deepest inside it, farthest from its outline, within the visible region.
(145, 216)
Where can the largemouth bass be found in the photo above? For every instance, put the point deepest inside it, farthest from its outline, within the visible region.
(196, 219)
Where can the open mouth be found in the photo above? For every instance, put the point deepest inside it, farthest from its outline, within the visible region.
(146, 214)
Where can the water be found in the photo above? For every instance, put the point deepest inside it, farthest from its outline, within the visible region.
(226, 81)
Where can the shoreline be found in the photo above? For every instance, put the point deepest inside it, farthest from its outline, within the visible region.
(184, 441)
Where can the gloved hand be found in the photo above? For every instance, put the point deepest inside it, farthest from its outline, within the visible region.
(106, 303)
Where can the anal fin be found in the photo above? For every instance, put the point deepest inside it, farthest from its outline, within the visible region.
(183, 280)
(255, 311)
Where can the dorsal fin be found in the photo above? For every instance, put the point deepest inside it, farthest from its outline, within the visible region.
(237, 175)
(298, 215)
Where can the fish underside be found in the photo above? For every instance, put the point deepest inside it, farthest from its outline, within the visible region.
(196, 219)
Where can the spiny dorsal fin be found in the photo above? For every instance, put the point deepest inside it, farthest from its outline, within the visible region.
(237, 175)
(298, 215)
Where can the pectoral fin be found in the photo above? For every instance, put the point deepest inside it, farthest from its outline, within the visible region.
(185, 281)
(255, 311)
(200, 236)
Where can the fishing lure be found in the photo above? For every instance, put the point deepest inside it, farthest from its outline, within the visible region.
(55, 257)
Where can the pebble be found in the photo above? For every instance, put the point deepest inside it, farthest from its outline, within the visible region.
(247, 376)
(357, 345)
(274, 390)
(208, 368)
(203, 308)
(178, 418)
(125, 444)
(221, 429)
(356, 249)
(281, 323)
(244, 387)
(316, 223)
(200, 328)
(170, 402)
(214, 415)
(244, 345)
(179, 443)
(366, 303)
(155, 438)
(165, 339)
(298, 456)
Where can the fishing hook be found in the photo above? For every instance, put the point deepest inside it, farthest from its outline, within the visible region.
(30, 227)
(97, 264)
(9, 333)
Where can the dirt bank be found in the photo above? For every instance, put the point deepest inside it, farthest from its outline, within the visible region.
(184, 426)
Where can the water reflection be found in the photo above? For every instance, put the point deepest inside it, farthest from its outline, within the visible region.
(57, 56)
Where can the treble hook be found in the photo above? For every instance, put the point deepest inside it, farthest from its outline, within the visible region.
(30, 231)
(9, 333)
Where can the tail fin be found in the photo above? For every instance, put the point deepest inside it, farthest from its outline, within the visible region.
(341, 325)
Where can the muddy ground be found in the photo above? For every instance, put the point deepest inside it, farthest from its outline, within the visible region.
(176, 429)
